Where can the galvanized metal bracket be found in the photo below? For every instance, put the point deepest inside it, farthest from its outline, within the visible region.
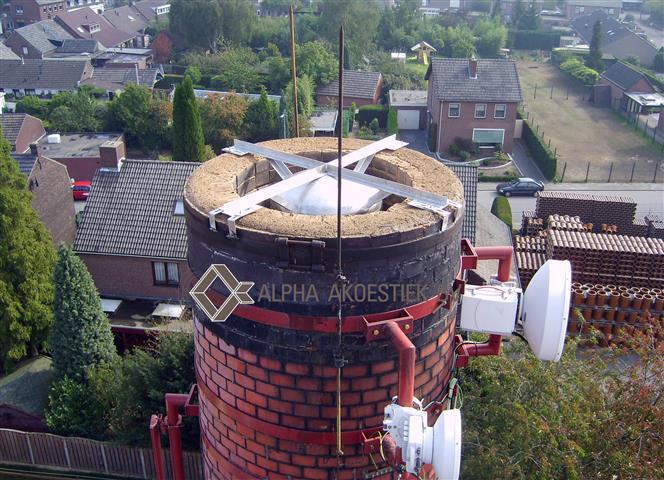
(300, 254)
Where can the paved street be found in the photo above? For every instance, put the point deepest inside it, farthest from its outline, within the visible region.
(649, 197)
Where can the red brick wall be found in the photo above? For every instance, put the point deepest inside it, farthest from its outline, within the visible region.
(452, 128)
(131, 277)
(236, 387)
(33, 12)
(84, 168)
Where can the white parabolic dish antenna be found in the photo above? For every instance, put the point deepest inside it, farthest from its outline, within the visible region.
(546, 309)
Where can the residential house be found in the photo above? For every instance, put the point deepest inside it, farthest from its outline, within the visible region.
(77, 47)
(96, 5)
(21, 130)
(42, 77)
(128, 19)
(473, 99)
(84, 153)
(85, 23)
(133, 236)
(622, 79)
(362, 88)
(436, 7)
(575, 8)
(617, 40)
(37, 40)
(115, 79)
(140, 58)
(52, 199)
(411, 108)
(153, 10)
(24, 12)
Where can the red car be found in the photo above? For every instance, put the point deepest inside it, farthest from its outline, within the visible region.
(81, 190)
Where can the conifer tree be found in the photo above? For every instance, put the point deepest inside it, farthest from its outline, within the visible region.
(188, 142)
(81, 336)
(594, 59)
(262, 119)
(27, 258)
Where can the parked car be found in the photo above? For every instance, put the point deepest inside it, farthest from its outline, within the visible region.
(520, 186)
(81, 190)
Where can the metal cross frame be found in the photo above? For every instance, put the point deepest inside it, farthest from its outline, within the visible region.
(314, 169)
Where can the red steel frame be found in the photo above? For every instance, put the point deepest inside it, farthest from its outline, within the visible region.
(393, 325)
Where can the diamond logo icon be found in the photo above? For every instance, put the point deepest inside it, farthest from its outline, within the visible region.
(239, 293)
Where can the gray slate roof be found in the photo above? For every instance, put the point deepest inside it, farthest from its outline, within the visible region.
(47, 73)
(126, 18)
(130, 212)
(11, 124)
(623, 75)
(25, 162)
(356, 84)
(7, 54)
(468, 176)
(497, 80)
(79, 45)
(108, 35)
(104, 77)
(44, 36)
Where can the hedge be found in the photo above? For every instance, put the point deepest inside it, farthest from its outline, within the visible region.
(533, 39)
(577, 70)
(369, 112)
(542, 154)
(392, 122)
(502, 209)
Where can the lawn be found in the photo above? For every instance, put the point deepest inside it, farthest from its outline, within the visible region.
(582, 133)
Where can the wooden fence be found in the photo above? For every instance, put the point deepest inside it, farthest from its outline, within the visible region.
(83, 455)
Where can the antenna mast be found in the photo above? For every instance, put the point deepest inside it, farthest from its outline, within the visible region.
(296, 120)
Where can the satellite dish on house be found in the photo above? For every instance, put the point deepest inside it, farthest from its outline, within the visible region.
(545, 309)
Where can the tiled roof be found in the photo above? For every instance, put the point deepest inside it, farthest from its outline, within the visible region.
(147, 8)
(623, 75)
(106, 77)
(7, 54)
(44, 36)
(47, 73)
(356, 84)
(25, 162)
(108, 35)
(130, 212)
(79, 45)
(126, 18)
(497, 80)
(11, 124)
(468, 176)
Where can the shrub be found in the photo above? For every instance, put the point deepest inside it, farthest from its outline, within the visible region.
(467, 144)
(533, 39)
(577, 70)
(502, 209)
(454, 150)
(374, 126)
(392, 123)
(463, 155)
(368, 112)
(432, 135)
(541, 153)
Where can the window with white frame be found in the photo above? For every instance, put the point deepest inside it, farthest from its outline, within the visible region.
(165, 273)
(454, 110)
(499, 110)
(480, 110)
(488, 137)
(24, 49)
(19, 9)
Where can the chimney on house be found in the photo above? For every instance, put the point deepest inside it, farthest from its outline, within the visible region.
(34, 150)
(472, 67)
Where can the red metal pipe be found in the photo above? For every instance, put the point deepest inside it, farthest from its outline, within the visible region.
(174, 421)
(503, 255)
(155, 435)
(407, 355)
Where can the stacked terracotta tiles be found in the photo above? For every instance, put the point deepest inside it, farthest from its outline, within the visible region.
(613, 310)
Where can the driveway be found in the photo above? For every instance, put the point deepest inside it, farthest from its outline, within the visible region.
(417, 140)
(524, 162)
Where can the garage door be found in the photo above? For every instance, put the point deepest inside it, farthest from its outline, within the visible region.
(408, 119)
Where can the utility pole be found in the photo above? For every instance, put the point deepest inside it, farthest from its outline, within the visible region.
(296, 120)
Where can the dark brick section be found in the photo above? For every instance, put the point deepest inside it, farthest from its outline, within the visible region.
(300, 396)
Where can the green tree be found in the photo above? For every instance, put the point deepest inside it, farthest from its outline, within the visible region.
(594, 58)
(33, 105)
(238, 70)
(360, 20)
(238, 21)
(27, 259)
(132, 388)
(659, 60)
(491, 36)
(72, 410)
(81, 334)
(278, 68)
(530, 19)
(656, 10)
(194, 73)
(262, 119)
(305, 97)
(188, 144)
(518, 11)
(392, 122)
(197, 22)
(316, 60)
(459, 42)
(398, 25)
(223, 119)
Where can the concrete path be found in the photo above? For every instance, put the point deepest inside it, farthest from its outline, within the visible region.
(525, 163)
